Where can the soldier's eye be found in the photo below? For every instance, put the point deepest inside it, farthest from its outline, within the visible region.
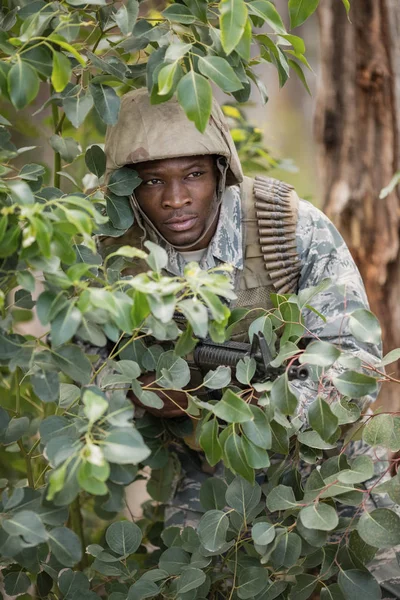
(152, 181)
(195, 174)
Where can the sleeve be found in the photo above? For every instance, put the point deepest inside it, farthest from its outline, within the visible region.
(324, 254)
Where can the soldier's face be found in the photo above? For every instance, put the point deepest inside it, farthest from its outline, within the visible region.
(177, 195)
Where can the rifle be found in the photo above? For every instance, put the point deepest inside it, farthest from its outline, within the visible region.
(209, 355)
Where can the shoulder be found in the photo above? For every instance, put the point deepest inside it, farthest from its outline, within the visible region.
(314, 230)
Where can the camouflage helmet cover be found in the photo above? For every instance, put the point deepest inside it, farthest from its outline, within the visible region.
(146, 131)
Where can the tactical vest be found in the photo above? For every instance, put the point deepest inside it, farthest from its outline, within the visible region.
(271, 262)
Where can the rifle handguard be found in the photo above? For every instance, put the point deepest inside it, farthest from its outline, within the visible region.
(209, 355)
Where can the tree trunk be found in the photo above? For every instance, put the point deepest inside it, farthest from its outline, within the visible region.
(358, 135)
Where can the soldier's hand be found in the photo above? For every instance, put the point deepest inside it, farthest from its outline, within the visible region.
(174, 401)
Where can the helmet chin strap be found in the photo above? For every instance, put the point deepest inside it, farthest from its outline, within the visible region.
(222, 168)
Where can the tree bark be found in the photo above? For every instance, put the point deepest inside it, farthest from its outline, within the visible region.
(358, 135)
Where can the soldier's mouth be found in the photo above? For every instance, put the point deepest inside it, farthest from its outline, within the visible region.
(181, 223)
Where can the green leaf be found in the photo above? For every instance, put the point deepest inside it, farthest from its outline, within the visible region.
(176, 51)
(322, 419)
(345, 411)
(89, 482)
(57, 39)
(243, 496)
(313, 536)
(220, 72)
(177, 13)
(66, 546)
(280, 438)
(281, 396)
(125, 446)
(195, 96)
(314, 440)
(365, 326)
(300, 74)
(21, 193)
(198, 8)
(210, 443)
(252, 581)
(77, 108)
(245, 370)
(94, 405)
(166, 77)
(378, 431)
(304, 587)
(363, 551)
(73, 363)
(28, 525)
(256, 457)
(258, 431)
(146, 397)
(140, 590)
(212, 493)
(119, 211)
(212, 530)
(263, 325)
(236, 456)
(187, 343)
(244, 46)
(106, 102)
(300, 10)
(46, 385)
(65, 325)
(67, 147)
(355, 385)
(332, 592)
(380, 528)
(359, 585)
(391, 357)
(95, 160)
(172, 371)
(62, 70)
(319, 516)
(287, 350)
(32, 172)
(287, 550)
(232, 21)
(191, 579)
(124, 537)
(16, 583)
(126, 16)
(263, 533)
(174, 560)
(232, 409)
(123, 181)
(23, 84)
(17, 427)
(362, 468)
(281, 498)
(321, 354)
(197, 315)
(267, 11)
(71, 581)
(26, 280)
(216, 380)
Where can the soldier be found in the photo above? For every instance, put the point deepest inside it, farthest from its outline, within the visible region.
(195, 202)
